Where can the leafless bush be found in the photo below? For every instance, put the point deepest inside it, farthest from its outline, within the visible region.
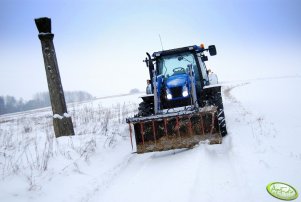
(27, 142)
(105, 122)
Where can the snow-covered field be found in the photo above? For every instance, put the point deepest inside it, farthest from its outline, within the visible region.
(263, 121)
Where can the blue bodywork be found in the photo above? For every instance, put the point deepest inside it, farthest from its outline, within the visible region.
(175, 83)
(178, 81)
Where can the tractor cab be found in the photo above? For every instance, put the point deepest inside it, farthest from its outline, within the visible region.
(178, 71)
(175, 69)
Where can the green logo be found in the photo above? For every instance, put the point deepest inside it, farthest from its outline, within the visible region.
(282, 191)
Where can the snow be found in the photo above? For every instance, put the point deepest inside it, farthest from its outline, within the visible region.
(97, 164)
(65, 115)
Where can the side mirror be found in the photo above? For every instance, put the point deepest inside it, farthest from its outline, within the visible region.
(212, 50)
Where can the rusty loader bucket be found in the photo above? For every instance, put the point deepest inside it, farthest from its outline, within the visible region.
(175, 130)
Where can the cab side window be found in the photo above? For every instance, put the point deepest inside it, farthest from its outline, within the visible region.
(203, 68)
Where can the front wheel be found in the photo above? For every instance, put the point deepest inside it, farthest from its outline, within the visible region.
(145, 109)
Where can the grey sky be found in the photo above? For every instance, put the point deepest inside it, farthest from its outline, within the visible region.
(100, 45)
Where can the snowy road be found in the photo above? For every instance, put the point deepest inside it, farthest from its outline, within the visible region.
(237, 170)
(262, 146)
(209, 172)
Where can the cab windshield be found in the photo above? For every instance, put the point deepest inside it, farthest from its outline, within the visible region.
(175, 64)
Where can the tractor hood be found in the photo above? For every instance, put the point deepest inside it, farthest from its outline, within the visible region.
(176, 80)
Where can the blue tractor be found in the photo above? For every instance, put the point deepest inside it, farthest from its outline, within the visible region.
(183, 105)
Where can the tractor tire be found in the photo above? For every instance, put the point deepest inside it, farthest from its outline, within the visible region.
(145, 109)
(218, 101)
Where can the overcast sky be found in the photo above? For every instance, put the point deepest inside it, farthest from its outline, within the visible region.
(100, 44)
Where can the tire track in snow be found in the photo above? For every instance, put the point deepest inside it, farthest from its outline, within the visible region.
(251, 135)
(159, 176)
(228, 175)
(102, 182)
(257, 123)
(219, 176)
(108, 180)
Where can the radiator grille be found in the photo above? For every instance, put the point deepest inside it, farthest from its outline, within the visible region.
(176, 92)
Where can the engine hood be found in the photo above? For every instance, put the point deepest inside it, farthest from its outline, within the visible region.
(176, 80)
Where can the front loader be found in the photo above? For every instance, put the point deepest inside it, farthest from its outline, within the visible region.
(183, 105)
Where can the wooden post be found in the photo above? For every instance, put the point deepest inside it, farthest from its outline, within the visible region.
(62, 122)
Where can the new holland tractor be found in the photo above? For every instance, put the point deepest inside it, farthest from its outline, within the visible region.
(183, 105)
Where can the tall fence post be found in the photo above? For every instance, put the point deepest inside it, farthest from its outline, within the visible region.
(62, 122)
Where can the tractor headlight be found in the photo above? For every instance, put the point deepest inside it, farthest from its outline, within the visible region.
(185, 91)
(168, 94)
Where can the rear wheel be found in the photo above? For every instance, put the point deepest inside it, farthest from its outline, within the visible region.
(145, 109)
(218, 101)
